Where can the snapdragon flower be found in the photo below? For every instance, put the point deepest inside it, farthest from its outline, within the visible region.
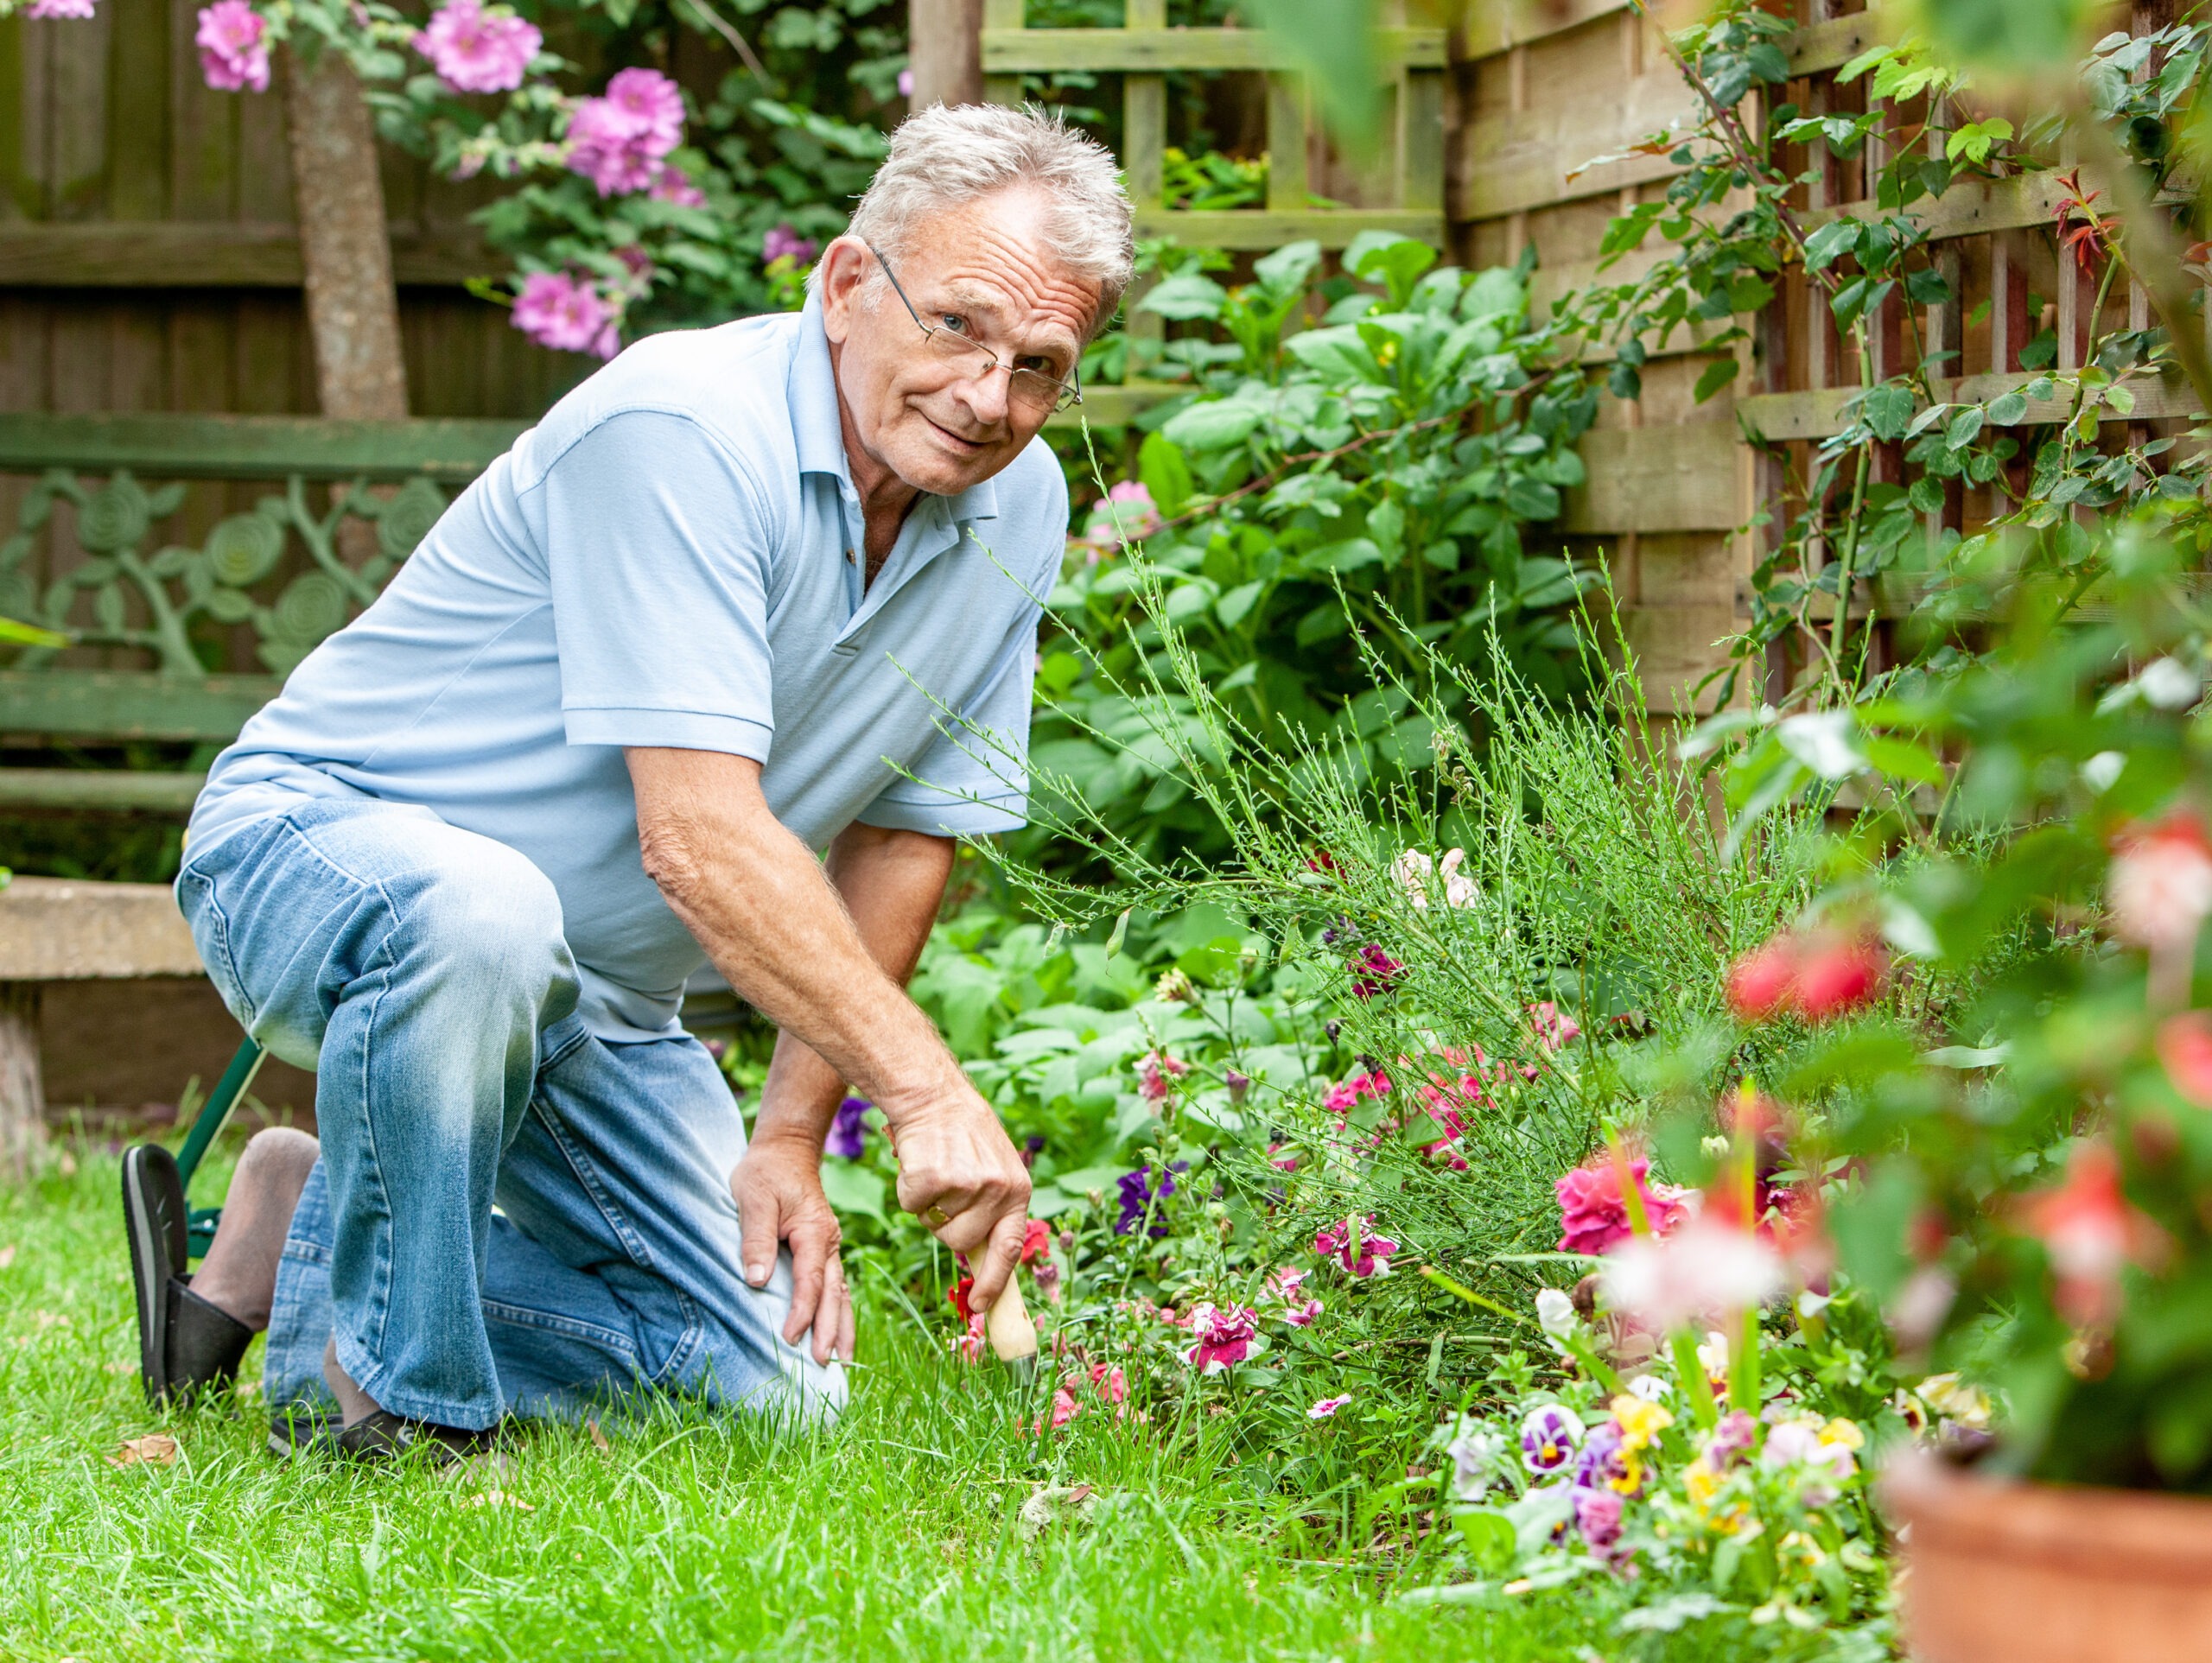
(1221, 1337)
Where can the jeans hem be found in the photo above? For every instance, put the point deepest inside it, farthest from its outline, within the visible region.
(375, 1381)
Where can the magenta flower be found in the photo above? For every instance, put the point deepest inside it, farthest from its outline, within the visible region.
(77, 9)
(1355, 1246)
(620, 140)
(477, 50)
(782, 243)
(848, 1132)
(1731, 1439)
(564, 313)
(233, 56)
(1223, 1338)
(1374, 971)
(905, 83)
(1593, 1214)
(1550, 1434)
(1327, 1406)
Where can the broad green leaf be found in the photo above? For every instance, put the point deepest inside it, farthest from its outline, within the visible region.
(1232, 608)
(1888, 410)
(1215, 425)
(1285, 272)
(855, 1189)
(1164, 474)
(1715, 376)
(1185, 297)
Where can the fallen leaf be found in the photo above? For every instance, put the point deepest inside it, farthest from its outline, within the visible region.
(7, 1255)
(155, 1450)
(1065, 1504)
(598, 1438)
(498, 1498)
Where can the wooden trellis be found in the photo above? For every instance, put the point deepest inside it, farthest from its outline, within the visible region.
(1402, 191)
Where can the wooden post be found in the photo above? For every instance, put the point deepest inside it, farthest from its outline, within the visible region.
(22, 1091)
(352, 304)
(945, 51)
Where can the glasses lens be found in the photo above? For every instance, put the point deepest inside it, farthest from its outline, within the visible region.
(1036, 394)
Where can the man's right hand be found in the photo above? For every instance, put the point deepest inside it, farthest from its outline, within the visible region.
(959, 1173)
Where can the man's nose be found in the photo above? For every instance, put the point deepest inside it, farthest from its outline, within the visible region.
(986, 394)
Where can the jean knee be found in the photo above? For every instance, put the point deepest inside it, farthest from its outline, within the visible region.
(491, 924)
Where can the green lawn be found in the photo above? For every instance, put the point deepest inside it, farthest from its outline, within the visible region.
(896, 1535)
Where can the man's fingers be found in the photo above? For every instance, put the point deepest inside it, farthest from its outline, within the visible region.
(833, 1317)
(761, 1217)
(997, 1261)
(813, 1252)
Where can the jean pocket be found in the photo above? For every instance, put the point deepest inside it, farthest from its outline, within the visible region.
(211, 933)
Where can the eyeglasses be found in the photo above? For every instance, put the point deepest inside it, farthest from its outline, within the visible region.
(1032, 392)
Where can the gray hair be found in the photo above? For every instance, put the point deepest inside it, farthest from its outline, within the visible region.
(949, 154)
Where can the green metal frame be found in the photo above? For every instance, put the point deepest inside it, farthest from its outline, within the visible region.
(232, 1087)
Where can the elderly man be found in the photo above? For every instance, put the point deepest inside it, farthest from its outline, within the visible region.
(748, 596)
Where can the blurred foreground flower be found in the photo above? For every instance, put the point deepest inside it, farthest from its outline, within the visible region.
(476, 48)
(2092, 1232)
(1817, 975)
(233, 53)
(1706, 1270)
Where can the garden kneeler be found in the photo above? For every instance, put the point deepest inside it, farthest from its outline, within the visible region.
(185, 1344)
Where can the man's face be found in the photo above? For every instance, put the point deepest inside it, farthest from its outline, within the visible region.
(942, 421)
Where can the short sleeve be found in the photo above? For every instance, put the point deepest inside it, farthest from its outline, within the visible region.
(975, 774)
(657, 544)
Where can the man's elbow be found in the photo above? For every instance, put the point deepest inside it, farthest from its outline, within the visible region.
(674, 854)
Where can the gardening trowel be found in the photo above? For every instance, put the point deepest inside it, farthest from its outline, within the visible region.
(1011, 1333)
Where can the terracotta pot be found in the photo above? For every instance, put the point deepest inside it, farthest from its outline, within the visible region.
(1997, 1571)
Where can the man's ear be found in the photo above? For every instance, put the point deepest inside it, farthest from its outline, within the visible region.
(844, 267)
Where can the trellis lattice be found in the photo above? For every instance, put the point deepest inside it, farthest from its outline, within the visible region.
(122, 597)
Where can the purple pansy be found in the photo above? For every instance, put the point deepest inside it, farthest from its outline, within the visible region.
(1549, 1435)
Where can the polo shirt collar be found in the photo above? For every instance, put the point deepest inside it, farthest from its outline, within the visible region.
(821, 435)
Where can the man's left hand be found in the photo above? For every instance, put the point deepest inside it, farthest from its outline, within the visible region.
(777, 1188)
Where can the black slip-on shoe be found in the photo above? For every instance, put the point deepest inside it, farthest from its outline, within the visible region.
(385, 1437)
(295, 1429)
(185, 1344)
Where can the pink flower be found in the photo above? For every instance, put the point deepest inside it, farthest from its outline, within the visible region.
(618, 141)
(1064, 1407)
(1597, 1516)
(1593, 1214)
(1154, 1070)
(782, 243)
(905, 83)
(474, 50)
(2160, 886)
(672, 185)
(78, 10)
(1344, 1095)
(564, 313)
(1288, 1286)
(1223, 1336)
(1327, 1406)
(969, 1345)
(1354, 1245)
(1110, 1382)
(233, 55)
(1554, 1028)
(2185, 1048)
(1706, 1270)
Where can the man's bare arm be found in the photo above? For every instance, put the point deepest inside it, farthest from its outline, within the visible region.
(892, 883)
(762, 908)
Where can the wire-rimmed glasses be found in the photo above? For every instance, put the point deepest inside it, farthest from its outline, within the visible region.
(1032, 390)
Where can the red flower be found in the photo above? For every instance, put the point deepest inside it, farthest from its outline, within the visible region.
(2185, 1047)
(958, 1295)
(1224, 1337)
(1594, 1214)
(1374, 971)
(1036, 1240)
(2091, 1232)
(1816, 976)
(2161, 882)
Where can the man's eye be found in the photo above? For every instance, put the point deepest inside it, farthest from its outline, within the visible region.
(953, 321)
(1044, 367)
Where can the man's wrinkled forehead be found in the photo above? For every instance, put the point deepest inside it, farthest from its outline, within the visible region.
(990, 259)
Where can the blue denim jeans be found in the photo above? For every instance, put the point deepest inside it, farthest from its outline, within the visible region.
(420, 970)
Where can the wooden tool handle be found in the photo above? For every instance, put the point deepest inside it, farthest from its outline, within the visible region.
(1012, 1335)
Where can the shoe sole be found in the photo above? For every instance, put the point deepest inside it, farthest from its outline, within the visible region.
(152, 1239)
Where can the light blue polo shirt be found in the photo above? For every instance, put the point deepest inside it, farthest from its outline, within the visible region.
(673, 557)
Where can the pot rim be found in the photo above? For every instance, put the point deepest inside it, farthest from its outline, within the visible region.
(2135, 1535)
